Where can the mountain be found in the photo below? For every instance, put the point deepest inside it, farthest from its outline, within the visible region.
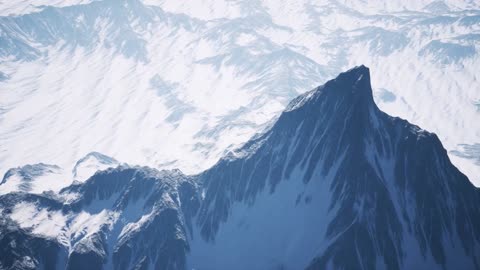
(33, 179)
(81, 76)
(90, 164)
(339, 181)
(39, 178)
(121, 218)
(334, 183)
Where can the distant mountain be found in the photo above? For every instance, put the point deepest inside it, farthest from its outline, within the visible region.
(171, 84)
(34, 179)
(90, 164)
(39, 178)
(334, 183)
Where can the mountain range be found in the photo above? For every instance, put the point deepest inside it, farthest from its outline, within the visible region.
(333, 183)
(172, 84)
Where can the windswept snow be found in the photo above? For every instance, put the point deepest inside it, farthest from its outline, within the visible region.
(40, 221)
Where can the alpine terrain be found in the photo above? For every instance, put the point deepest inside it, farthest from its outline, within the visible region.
(179, 84)
(333, 183)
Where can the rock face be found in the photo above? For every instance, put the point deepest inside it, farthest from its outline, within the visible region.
(335, 183)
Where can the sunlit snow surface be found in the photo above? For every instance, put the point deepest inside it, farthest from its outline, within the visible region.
(176, 84)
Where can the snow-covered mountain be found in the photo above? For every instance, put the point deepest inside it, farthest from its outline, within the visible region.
(175, 84)
(39, 178)
(334, 183)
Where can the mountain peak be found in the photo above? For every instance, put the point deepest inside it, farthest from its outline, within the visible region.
(351, 88)
(355, 82)
(91, 163)
(362, 69)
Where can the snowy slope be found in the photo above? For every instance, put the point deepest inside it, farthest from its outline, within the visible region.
(175, 84)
